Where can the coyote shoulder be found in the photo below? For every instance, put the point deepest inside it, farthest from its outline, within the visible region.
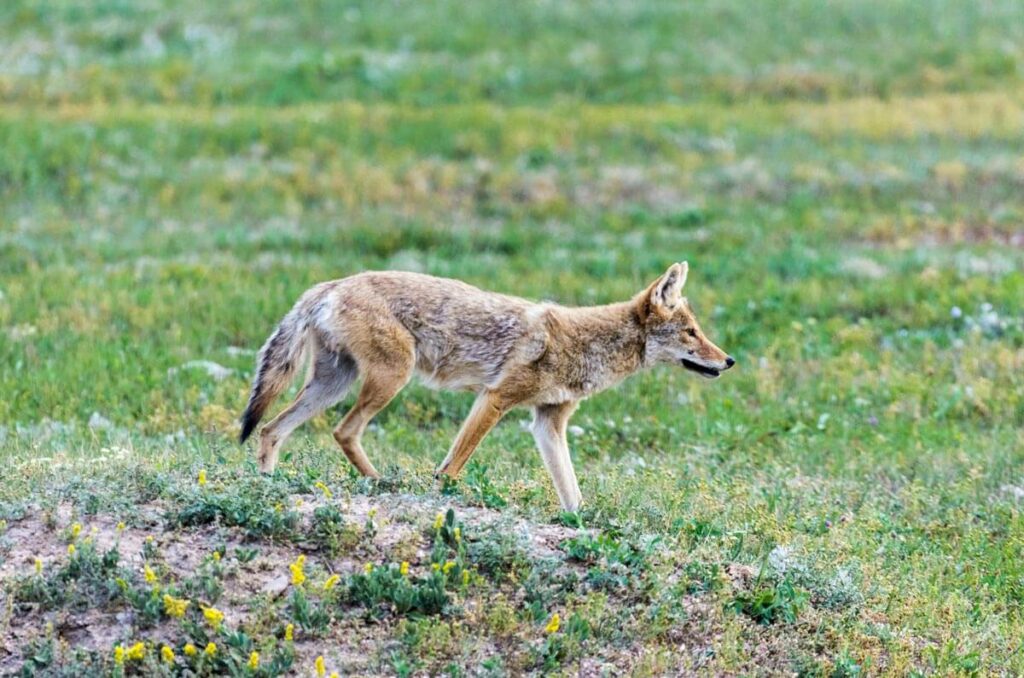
(388, 325)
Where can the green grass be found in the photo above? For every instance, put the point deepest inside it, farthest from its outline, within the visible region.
(283, 52)
(844, 180)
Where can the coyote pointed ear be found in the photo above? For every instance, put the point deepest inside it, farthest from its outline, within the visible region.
(666, 292)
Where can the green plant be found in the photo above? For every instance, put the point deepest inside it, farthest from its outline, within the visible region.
(330, 531)
(384, 590)
(844, 666)
(312, 617)
(480, 484)
(499, 552)
(767, 603)
(85, 579)
(702, 576)
(255, 504)
(246, 555)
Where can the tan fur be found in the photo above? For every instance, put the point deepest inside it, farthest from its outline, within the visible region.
(389, 325)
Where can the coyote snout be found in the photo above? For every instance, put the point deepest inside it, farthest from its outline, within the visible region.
(387, 326)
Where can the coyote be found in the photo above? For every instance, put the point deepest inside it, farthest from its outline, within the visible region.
(512, 352)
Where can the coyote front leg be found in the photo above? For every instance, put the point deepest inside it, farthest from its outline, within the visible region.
(549, 425)
(488, 409)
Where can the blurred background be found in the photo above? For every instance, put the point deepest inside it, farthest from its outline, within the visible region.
(845, 179)
(173, 175)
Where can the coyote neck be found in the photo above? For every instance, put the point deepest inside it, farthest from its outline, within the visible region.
(607, 344)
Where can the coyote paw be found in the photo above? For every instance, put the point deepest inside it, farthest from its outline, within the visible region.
(574, 505)
(443, 478)
(265, 463)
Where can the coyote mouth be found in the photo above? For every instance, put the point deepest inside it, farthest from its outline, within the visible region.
(707, 372)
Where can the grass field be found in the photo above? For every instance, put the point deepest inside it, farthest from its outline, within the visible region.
(844, 178)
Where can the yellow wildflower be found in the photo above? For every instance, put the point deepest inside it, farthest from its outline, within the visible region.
(136, 652)
(438, 521)
(254, 660)
(331, 582)
(211, 649)
(435, 567)
(214, 616)
(553, 625)
(448, 566)
(298, 503)
(190, 650)
(76, 530)
(167, 654)
(71, 549)
(458, 534)
(334, 674)
(175, 607)
(323, 488)
(298, 575)
(39, 565)
(465, 577)
(120, 526)
(149, 574)
(368, 568)
(403, 569)
(149, 539)
(289, 632)
(216, 556)
(119, 654)
(372, 514)
(319, 666)
(202, 477)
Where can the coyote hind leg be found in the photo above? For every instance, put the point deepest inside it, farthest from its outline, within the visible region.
(330, 378)
(381, 385)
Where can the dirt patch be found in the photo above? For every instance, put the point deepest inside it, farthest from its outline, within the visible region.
(400, 527)
(500, 616)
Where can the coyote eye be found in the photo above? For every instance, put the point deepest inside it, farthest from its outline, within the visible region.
(692, 332)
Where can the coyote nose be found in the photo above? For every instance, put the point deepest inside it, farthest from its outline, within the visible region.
(729, 362)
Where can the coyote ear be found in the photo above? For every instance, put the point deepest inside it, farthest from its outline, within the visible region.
(666, 293)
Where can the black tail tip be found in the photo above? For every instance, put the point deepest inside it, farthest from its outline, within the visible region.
(249, 421)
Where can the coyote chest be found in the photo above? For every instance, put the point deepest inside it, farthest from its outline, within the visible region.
(582, 373)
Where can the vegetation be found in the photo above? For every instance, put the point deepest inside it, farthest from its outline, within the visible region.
(844, 179)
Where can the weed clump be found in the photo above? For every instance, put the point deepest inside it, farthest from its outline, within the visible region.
(329, 531)
(85, 580)
(257, 505)
(769, 603)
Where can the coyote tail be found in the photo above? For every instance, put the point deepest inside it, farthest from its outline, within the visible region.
(276, 365)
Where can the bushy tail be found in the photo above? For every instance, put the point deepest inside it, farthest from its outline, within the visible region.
(275, 367)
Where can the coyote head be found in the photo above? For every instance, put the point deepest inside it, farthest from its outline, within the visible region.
(673, 335)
